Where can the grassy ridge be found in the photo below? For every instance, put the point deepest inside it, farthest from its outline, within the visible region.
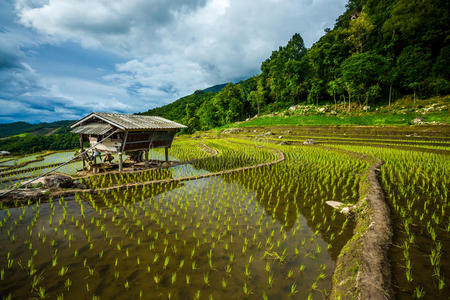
(381, 119)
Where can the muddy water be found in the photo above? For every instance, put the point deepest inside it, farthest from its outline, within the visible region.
(196, 227)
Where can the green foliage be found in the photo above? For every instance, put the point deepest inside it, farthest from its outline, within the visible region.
(15, 128)
(363, 75)
(30, 144)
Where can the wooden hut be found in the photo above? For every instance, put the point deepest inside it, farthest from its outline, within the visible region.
(127, 133)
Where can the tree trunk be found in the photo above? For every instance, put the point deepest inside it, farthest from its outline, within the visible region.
(349, 99)
(335, 104)
(390, 94)
(414, 97)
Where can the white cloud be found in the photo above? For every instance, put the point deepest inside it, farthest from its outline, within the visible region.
(173, 47)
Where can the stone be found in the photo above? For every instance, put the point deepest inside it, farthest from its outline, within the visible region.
(268, 133)
(53, 181)
(418, 121)
(346, 210)
(309, 142)
(232, 130)
(284, 143)
(280, 137)
(335, 204)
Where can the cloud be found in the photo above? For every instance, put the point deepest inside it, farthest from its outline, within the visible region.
(170, 48)
(117, 24)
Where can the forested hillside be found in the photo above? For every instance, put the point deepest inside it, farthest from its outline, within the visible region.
(11, 129)
(22, 138)
(378, 51)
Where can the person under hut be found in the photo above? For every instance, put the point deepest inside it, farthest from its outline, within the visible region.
(94, 156)
(108, 158)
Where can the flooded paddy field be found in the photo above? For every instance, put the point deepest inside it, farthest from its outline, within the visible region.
(229, 224)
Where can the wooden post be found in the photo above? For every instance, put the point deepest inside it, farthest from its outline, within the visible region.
(120, 162)
(166, 150)
(146, 159)
(123, 149)
(81, 150)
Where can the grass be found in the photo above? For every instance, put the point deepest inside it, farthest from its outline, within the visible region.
(367, 120)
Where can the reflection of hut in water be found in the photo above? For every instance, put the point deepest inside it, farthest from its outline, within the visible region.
(126, 133)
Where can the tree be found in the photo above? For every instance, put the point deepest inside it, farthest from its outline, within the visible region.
(359, 31)
(335, 87)
(362, 73)
(413, 66)
(191, 120)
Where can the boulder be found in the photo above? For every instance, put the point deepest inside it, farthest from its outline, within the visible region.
(346, 210)
(232, 130)
(53, 181)
(309, 142)
(418, 121)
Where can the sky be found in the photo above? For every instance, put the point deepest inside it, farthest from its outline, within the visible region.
(62, 59)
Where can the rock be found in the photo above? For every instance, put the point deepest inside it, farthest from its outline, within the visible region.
(284, 143)
(280, 137)
(255, 131)
(53, 181)
(347, 210)
(366, 108)
(335, 204)
(309, 142)
(232, 130)
(418, 121)
(322, 109)
(267, 133)
(292, 108)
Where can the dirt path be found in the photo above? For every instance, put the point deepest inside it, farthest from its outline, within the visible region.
(362, 269)
(375, 273)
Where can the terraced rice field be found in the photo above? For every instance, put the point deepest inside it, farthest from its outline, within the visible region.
(243, 217)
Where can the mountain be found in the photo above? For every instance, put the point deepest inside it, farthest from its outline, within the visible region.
(176, 110)
(377, 52)
(11, 129)
(215, 88)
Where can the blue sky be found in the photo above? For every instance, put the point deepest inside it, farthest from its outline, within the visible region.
(61, 59)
